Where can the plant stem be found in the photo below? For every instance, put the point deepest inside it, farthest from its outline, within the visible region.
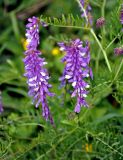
(64, 26)
(112, 42)
(103, 14)
(86, 17)
(119, 68)
(103, 51)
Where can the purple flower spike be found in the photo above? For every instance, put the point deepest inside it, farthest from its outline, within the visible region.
(1, 105)
(77, 68)
(37, 75)
(87, 13)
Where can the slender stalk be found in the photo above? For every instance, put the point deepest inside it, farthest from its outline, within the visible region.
(103, 51)
(112, 42)
(74, 27)
(103, 8)
(103, 14)
(118, 70)
(86, 17)
(102, 33)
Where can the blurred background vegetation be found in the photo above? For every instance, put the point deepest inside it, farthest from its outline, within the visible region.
(96, 133)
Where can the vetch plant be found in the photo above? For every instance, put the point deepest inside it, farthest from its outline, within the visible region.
(77, 68)
(36, 73)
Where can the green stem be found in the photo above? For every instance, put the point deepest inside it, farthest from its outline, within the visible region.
(63, 26)
(103, 8)
(86, 17)
(103, 51)
(103, 15)
(119, 68)
(112, 42)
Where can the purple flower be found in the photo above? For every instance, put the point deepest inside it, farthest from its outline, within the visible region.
(118, 51)
(87, 9)
(100, 22)
(76, 70)
(36, 73)
(121, 15)
(1, 105)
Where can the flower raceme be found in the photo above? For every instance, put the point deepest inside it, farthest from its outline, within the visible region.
(37, 75)
(76, 70)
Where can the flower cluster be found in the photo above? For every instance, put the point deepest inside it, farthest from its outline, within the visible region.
(87, 9)
(100, 22)
(36, 74)
(118, 51)
(77, 68)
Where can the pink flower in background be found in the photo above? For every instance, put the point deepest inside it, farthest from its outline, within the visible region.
(118, 51)
(100, 22)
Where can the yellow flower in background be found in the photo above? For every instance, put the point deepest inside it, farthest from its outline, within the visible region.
(88, 147)
(24, 43)
(55, 51)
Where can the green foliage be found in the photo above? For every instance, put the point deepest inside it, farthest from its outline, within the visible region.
(64, 21)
